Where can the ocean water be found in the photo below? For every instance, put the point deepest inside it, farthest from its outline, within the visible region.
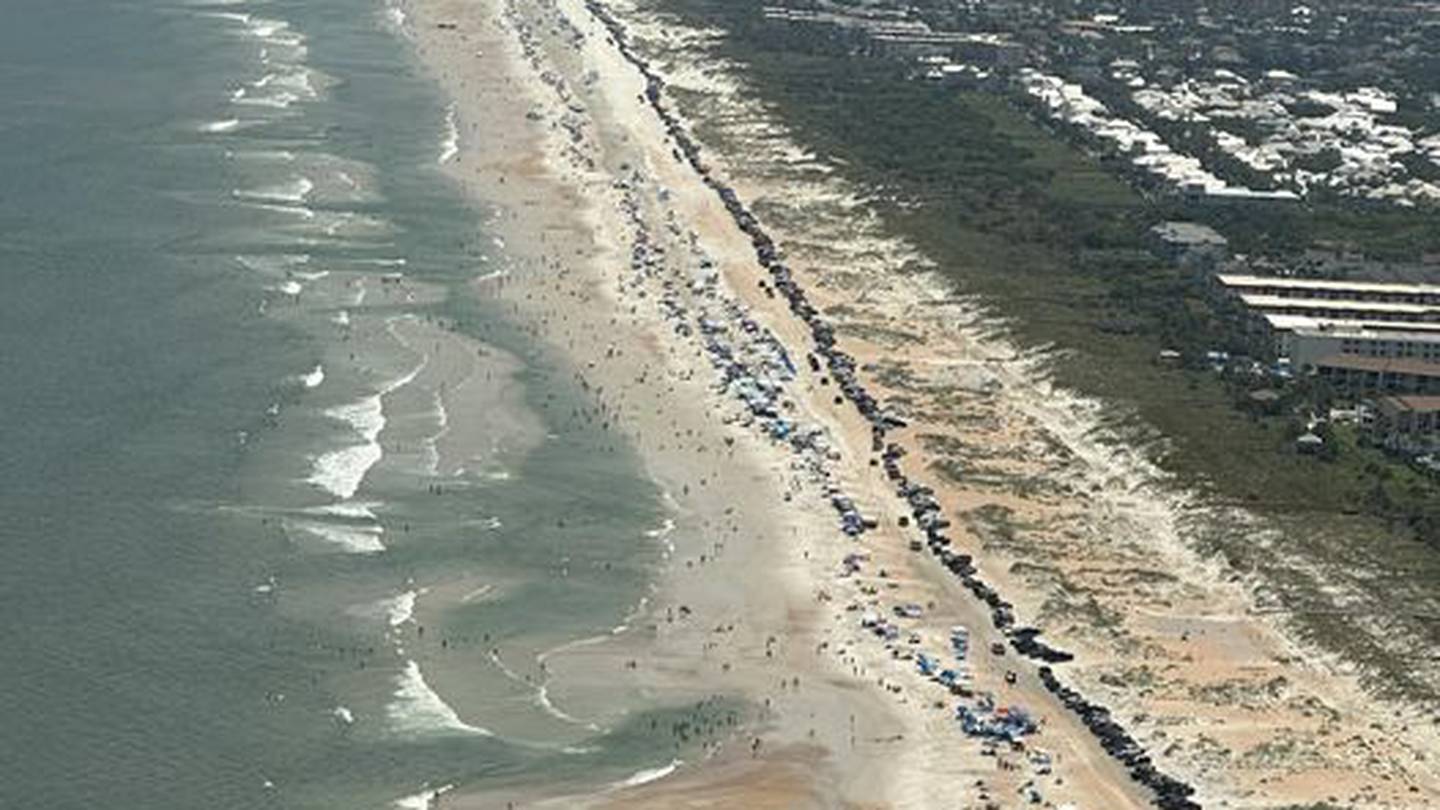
(222, 517)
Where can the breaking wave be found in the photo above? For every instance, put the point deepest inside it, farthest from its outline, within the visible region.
(423, 800)
(418, 710)
(649, 775)
(292, 192)
(450, 146)
(353, 539)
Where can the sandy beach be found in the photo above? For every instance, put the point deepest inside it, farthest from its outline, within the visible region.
(490, 404)
(625, 260)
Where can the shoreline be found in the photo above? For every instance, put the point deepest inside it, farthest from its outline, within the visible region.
(678, 657)
(915, 726)
(555, 181)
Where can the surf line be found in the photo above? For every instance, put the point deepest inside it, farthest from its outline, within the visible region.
(341, 472)
(541, 696)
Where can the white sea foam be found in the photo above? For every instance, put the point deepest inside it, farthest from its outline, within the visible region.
(279, 101)
(301, 81)
(343, 714)
(664, 529)
(264, 27)
(366, 415)
(424, 800)
(273, 32)
(349, 223)
(280, 89)
(631, 616)
(293, 210)
(406, 378)
(353, 539)
(268, 155)
(309, 275)
(649, 775)
(342, 318)
(542, 699)
(663, 534)
(288, 287)
(399, 609)
(542, 693)
(431, 450)
(418, 710)
(340, 472)
(360, 533)
(507, 671)
(432, 443)
(396, 16)
(356, 510)
(276, 264)
(573, 644)
(314, 377)
(450, 146)
(227, 125)
(442, 416)
(296, 190)
(230, 16)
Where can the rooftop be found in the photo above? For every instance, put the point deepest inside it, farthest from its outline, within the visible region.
(1262, 301)
(1309, 323)
(1188, 233)
(1238, 192)
(1329, 285)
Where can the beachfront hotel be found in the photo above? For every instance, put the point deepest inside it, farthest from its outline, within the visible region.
(1361, 335)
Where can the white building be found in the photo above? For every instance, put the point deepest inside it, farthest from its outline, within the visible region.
(1329, 289)
(1377, 335)
(1310, 346)
(1337, 309)
(1364, 357)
